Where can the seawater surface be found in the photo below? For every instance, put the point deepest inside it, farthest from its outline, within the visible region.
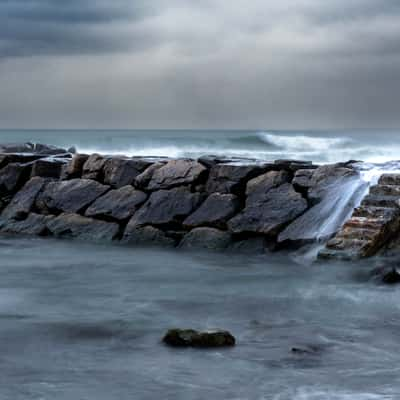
(81, 321)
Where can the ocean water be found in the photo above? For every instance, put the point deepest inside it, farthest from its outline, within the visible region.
(80, 321)
(83, 321)
(318, 146)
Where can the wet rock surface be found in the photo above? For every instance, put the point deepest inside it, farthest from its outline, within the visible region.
(206, 238)
(193, 338)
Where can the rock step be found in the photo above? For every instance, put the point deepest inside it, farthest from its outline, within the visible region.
(371, 225)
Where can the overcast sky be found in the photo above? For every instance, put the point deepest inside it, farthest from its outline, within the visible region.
(259, 64)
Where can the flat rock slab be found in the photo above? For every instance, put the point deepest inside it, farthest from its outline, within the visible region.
(76, 226)
(70, 196)
(167, 207)
(119, 172)
(176, 173)
(23, 202)
(215, 212)
(147, 236)
(206, 238)
(119, 204)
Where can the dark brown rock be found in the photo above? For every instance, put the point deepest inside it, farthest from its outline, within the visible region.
(166, 207)
(76, 226)
(74, 168)
(206, 238)
(119, 204)
(215, 212)
(192, 338)
(71, 196)
(177, 173)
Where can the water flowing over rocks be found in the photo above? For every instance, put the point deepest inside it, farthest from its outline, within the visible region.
(213, 203)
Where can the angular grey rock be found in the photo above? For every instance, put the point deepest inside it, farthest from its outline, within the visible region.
(36, 148)
(75, 226)
(177, 173)
(24, 200)
(48, 167)
(294, 165)
(74, 168)
(94, 167)
(142, 180)
(146, 235)
(71, 196)
(302, 180)
(325, 177)
(14, 176)
(119, 172)
(215, 211)
(206, 238)
(119, 204)
(258, 187)
(166, 207)
(231, 178)
(34, 224)
(268, 211)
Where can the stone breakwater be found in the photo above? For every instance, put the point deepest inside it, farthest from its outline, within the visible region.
(209, 203)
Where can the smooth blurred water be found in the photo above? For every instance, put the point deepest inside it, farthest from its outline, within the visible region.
(318, 146)
(80, 321)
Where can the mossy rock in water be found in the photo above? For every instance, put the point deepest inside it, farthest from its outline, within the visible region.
(192, 338)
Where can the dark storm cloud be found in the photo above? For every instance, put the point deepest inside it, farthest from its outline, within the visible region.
(200, 63)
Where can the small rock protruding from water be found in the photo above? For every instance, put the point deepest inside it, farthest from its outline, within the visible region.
(192, 338)
(392, 277)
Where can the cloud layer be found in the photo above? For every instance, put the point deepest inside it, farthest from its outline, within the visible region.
(203, 63)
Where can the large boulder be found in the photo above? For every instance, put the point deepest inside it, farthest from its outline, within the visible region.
(231, 178)
(177, 173)
(302, 180)
(24, 200)
(192, 338)
(271, 204)
(206, 238)
(71, 196)
(76, 226)
(74, 168)
(94, 167)
(143, 179)
(34, 224)
(14, 176)
(119, 172)
(119, 204)
(48, 167)
(167, 208)
(146, 236)
(325, 178)
(216, 210)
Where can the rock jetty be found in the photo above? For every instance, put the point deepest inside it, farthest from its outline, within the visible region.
(212, 203)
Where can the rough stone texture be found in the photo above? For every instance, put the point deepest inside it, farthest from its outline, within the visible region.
(372, 225)
(253, 245)
(176, 173)
(119, 172)
(294, 165)
(13, 177)
(22, 203)
(34, 224)
(206, 238)
(192, 338)
(325, 177)
(146, 235)
(231, 178)
(8, 158)
(143, 180)
(302, 180)
(270, 206)
(119, 204)
(48, 167)
(216, 210)
(69, 196)
(74, 168)
(94, 167)
(76, 226)
(35, 148)
(167, 207)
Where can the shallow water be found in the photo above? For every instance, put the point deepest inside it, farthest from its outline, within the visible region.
(82, 321)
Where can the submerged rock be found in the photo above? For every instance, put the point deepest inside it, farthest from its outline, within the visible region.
(192, 338)
(206, 238)
(147, 236)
